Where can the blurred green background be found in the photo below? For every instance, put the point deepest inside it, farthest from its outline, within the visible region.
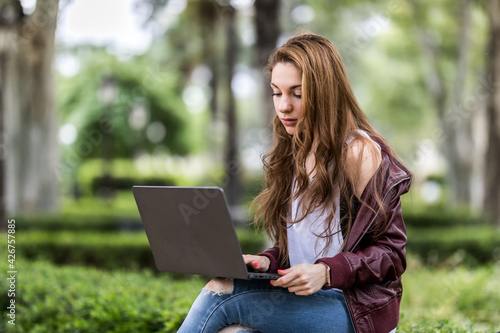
(96, 97)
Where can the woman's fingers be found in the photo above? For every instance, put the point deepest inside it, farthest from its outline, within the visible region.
(304, 279)
(258, 263)
(301, 290)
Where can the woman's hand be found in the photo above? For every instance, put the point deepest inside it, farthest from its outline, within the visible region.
(258, 263)
(302, 279)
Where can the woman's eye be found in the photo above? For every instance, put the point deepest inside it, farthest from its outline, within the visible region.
(276, 94)
(298, 96)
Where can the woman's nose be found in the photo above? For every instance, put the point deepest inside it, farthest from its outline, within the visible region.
(284, 105)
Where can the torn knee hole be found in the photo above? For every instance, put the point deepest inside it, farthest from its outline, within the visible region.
(234, 329)
(220, 286)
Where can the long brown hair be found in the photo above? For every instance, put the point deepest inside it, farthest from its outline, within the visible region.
(331, 118)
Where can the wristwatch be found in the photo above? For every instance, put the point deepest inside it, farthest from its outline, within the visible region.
(328, 282)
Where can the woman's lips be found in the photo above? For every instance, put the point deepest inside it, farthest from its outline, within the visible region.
(288, 121)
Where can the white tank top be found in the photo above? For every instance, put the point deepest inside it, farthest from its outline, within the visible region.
(304, 245)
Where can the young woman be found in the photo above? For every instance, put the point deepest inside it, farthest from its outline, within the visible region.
(332, 205)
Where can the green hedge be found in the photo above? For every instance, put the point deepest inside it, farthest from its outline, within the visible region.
(441, 216)
(105, 250)
(78, 223)
(452, 246)
(126, 183)
(111, 250)
(125, 175)
(86, 214)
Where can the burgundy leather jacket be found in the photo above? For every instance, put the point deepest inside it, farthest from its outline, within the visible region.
(369, 270)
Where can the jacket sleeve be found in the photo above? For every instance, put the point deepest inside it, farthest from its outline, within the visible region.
(273, 255)
(373, 260)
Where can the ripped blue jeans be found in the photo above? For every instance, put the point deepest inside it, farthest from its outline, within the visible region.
(264, 308)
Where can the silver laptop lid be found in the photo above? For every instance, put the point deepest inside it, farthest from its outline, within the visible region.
(190, 231)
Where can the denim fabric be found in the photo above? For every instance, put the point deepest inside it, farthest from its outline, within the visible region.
(264, 308)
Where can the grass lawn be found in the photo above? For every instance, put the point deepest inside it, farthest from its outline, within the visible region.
(458, 299)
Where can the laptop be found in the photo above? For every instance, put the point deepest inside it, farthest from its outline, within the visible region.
(190, 231)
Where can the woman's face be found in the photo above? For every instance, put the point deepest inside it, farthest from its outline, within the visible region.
(286, 82)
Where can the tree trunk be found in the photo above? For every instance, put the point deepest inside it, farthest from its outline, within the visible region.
(11, 14)
(268, 31)
(492, 163)
(28, 108)
(3, 213)
(453, 116)
(457, 126)
(232, 164)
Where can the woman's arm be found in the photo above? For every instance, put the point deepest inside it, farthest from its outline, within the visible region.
(382, 260)
(363, 158)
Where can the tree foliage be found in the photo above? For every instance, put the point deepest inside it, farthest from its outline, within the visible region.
(146, 113)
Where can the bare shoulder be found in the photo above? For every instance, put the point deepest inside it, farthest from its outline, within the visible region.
(363, 158)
